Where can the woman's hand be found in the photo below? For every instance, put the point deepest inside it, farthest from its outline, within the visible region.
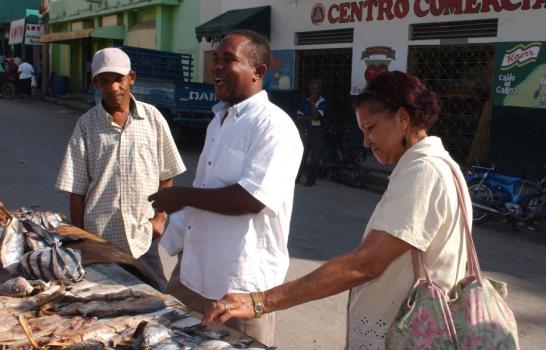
(238, 305)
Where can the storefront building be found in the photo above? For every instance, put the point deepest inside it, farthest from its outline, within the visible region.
(79, 28)
(485, 58)
(15, 16)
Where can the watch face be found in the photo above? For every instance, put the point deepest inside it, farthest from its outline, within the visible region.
(258, 308)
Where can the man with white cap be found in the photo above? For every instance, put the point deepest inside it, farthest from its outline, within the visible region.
(121, 151)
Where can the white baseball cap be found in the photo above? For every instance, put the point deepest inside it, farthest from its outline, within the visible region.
(112, 60)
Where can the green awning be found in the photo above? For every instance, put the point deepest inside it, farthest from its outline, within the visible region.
(257, 19)
(114, 32)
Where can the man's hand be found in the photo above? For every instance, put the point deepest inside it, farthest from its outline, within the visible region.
(168, 199)
(238, 305)
(158, 224)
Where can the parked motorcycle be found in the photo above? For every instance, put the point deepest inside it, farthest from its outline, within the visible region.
(8, 85)
(519, 201)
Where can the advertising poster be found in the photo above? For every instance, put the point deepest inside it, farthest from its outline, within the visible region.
(33, 33)
(369, 61)
(280, 75)
(520, 74)
(16, 31)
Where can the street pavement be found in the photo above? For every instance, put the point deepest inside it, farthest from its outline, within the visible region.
(328, 219)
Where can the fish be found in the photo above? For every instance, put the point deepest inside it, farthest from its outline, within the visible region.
(12, 245)
(167, 344)
(214, 345)
(149, 334)
(71, 261)
(16, 287)
(86, 345)
(103, 306)
(34, 241)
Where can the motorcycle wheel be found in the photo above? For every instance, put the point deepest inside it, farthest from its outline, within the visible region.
(7, 90)
(480, 194)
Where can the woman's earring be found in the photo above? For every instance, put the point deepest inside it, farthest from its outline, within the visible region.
(404, 142)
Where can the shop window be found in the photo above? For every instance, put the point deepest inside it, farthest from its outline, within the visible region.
(462, 77)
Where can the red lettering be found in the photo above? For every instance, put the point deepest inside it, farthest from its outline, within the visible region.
(344, 8)
(356, 11)
(539, 3)
(401, 8)
(331, 17)
(385, 8)
(508, 6)
(436, 7)
(486, 4)
(453, 7)
(369, 4)
(471, 7)
(417, 9)
(525, 5)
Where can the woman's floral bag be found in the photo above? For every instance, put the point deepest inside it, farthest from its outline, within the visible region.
(473, 315)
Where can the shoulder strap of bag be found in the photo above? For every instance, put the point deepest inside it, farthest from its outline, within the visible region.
(473, 266)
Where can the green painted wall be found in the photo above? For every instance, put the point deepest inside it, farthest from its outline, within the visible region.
(185, 18)
(175, 30)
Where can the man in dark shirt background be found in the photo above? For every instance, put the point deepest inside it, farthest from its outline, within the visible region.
(310, 121)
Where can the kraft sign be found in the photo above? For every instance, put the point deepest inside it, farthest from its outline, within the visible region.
(358, 11)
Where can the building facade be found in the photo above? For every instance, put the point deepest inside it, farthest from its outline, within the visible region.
(485, 58)
(79, 28)
(21, 12)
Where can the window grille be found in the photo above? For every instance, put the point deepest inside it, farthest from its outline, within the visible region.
(461, 75)
(456, 29)
(335, 36)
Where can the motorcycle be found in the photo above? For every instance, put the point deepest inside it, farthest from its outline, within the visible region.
(8, 85)
(493, 194)
(341, 161)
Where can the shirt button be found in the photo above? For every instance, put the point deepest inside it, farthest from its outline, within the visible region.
(209, 163)
(189, 227)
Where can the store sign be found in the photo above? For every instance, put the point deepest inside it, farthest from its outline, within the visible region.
(33, 33)
(520, 75)
(359, 11)
(280, 76)
(377, 60)
(16, 31)
(318, 14)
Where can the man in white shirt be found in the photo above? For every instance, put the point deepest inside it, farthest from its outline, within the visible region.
(26, 71)
(234, 225)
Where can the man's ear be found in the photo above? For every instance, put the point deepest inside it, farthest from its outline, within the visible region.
(260, 71)
(132, 75)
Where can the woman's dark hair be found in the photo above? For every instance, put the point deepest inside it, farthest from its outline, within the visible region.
(392, 90)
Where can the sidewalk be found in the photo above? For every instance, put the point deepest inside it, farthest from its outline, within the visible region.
(78, 101)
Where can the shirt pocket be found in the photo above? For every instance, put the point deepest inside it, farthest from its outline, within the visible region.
(229, 167)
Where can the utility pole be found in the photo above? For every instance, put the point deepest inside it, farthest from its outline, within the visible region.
(44, 20)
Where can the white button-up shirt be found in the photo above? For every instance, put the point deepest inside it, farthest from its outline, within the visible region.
(116, 169)
(259, 148)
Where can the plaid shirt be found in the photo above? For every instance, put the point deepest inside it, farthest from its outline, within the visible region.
(116, 169)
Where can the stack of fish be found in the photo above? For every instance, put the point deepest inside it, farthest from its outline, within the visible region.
(27, 245)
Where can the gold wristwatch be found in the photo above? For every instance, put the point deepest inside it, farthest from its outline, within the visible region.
(258, 304)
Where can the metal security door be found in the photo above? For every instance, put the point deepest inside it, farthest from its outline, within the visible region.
(462, 76)
(333, 69)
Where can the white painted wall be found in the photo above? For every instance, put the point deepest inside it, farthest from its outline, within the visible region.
(291, 16)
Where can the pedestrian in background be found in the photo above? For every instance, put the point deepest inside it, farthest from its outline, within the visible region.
(235, 221)
(121, 151)
(419, 210)
(26, 74)
(310, 120)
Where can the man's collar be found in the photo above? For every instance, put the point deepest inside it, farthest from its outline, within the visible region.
(135, 109)
(242, 107)
(319, 100)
